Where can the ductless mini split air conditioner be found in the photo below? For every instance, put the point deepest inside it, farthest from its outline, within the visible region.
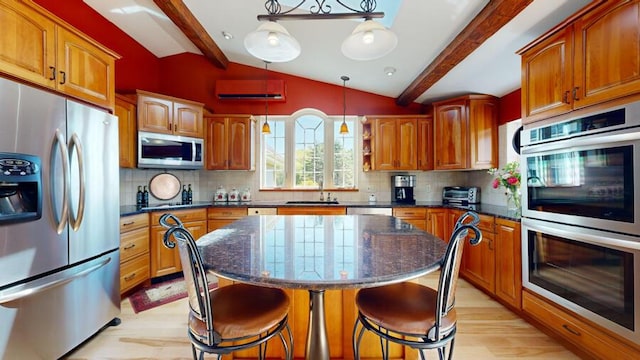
(272, 90)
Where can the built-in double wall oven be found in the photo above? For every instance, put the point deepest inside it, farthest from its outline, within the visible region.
(581, 216)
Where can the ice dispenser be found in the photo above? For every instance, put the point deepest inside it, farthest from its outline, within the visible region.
(20, 188)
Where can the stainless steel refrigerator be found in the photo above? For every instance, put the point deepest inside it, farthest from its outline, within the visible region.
(59, 222)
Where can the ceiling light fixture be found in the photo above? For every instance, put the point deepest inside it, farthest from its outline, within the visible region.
(344, 129)
(266, 129)
(227, 35)
(389, 70)
(272, 42)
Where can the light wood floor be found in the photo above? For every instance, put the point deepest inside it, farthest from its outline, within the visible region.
(486, 330)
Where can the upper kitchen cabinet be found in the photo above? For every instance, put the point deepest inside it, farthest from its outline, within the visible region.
(391, 142)
(466, 133)
(169, 115)
(230, 142)
(592, 57)
(425, 143)
(125, 110)
(38, 47)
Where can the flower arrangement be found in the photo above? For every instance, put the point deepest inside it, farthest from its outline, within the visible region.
(509, 178)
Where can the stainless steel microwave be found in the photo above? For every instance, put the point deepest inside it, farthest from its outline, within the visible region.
(163, 151)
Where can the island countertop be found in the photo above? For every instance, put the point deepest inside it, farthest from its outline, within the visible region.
(321, 252)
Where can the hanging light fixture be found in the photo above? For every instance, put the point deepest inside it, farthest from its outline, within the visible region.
(266, 129)
(344, 129)
(272, 42)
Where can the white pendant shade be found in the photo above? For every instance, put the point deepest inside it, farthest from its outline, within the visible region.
(272, 42)
(368, 41)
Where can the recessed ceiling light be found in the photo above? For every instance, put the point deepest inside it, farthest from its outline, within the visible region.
(227, 35)
(389, 70)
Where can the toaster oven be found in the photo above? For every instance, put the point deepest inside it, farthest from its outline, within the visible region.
(461, 195)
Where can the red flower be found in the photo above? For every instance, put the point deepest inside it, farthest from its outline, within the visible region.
(496, 183)
(512, 180)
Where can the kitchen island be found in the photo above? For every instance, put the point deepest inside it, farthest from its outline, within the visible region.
(309, 255)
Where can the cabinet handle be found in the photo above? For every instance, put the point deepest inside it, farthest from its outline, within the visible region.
(129, 223)
(64, 77)
(569, 329)
(53, 73)
(575, 93)
(175, 127)
(565, 97)
(129, 247)
(130, 277)
(490, 244)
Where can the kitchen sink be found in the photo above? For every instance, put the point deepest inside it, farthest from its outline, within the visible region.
(311, 202)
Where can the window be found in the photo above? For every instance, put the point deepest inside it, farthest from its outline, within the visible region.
(306, 151)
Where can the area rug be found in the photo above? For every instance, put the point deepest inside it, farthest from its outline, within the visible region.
(161, 293)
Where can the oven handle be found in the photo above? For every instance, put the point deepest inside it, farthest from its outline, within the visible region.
(591, 236)
(597, 139)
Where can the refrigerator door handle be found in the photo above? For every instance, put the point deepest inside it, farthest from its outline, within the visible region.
(46, 283)
(75, 220)
(61, 222)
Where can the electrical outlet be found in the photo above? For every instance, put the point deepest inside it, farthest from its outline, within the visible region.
(427, 188)
(371, 188)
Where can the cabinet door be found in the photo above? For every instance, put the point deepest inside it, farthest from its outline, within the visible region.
(607, 53)
(239, 143)
(508, 262)
(437, 223)
(84, 70)
(187, 120)
(547, 77)
(385, 144)
(451, 136)
(425, 143)
(406, 145)
(164, 261)
(479, 262)
(28, 44)
(483, 134)
(126, 113)
(155, 115)
(217, 147)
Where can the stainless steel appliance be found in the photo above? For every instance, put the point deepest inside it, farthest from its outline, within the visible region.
(169, 151)
(581, 216)
(59, 282)
(402, 188)
(461, 195)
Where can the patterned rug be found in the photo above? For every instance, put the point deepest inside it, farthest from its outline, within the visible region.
(161, 293)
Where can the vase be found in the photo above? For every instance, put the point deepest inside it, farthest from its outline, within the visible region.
(513, 202)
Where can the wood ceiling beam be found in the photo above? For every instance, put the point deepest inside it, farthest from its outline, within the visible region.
(493, 16)
(178, 12)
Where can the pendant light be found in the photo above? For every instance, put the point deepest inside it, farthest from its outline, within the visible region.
(344, 129)
(266, 129)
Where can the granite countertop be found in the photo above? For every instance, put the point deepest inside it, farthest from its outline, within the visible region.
(320, 252)
(487, 209)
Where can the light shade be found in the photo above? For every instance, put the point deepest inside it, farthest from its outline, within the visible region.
(369, 40)
(272, 42)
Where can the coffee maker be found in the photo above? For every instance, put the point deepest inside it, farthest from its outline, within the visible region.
(402, 188)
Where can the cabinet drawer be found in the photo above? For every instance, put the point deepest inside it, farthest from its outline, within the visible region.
(226, 213)
(134, 222)
(410, 213)
(134, 272)
(184, 215)
(133, 243)
(595, 341)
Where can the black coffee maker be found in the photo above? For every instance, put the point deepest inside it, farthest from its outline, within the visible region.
(402, 188)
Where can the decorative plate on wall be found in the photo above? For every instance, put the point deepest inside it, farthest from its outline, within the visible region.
(164, 186)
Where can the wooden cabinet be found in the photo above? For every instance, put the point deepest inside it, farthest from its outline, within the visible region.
(438, 223)
(478, 262)
(466, 133)
(312, 210)
(395, 143)
(425, 143)
(508, 284)
(134, 251)
(125, 110)
(165, 261)
(413, 215)
(219, 217)
(592, 58)
(230, 142)
(586, 337)
(169, 115)
(44, 50)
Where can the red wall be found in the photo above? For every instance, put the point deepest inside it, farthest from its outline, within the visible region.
(191, 76)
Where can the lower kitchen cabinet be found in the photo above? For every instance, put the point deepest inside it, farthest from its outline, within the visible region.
(413, 215)
(438, 223)
(508, 262)
(134, 251)
(219, 217)
(312, 210)
(586, 337)
(165, 261)
(479, 261)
